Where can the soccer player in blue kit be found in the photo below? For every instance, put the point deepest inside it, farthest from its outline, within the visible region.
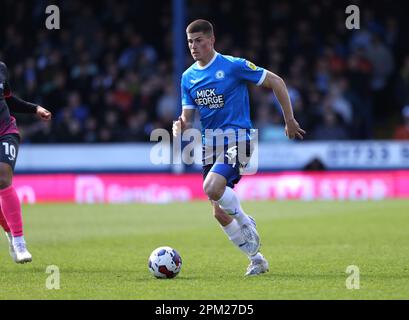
(216, 86)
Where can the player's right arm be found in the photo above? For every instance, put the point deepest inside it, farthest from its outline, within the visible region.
(186, 119)
(184, 122)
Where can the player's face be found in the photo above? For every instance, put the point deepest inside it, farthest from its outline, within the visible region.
(200, 45)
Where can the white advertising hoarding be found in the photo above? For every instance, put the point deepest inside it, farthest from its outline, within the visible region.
(271, 156)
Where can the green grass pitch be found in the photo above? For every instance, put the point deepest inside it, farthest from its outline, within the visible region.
(102, 250)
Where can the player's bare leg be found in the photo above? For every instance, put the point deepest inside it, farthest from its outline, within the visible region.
(222, 217)
(11, 213)
(214, 186)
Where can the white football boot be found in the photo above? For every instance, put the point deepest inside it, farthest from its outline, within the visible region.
(21, 253)
(257, 266)
(11, 248)
(251, 237)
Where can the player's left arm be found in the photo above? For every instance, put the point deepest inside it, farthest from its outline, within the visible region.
(277, 84)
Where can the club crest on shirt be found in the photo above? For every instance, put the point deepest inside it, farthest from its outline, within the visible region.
(251, 65)
(219, 74)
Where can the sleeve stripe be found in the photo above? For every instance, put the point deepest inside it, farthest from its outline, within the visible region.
(263, 76)
(188, 106)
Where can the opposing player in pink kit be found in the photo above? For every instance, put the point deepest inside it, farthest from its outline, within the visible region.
(10, 208)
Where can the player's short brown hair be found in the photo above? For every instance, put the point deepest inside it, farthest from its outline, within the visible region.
(200, 25)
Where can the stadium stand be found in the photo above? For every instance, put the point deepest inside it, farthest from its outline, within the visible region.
(107, 74)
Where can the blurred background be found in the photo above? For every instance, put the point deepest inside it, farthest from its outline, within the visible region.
(109, 77)
(107, 74)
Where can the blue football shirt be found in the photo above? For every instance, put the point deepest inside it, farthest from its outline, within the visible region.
(219, 92)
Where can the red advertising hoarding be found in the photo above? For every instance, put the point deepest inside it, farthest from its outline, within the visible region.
(164, 188)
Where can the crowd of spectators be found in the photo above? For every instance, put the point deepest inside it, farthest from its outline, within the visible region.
(107, 74)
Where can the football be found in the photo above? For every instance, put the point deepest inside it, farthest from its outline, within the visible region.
(165, 262)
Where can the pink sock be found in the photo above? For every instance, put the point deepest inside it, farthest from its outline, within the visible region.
(10, 205)
(3, 222)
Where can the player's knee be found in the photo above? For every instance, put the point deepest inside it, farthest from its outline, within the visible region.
(212, 190)
(5, 181)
